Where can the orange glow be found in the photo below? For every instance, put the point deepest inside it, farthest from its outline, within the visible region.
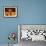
(10, 12)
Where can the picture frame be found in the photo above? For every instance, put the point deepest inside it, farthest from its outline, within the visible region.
(10, 11)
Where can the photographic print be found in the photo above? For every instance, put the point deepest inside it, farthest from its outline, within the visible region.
(10, 12)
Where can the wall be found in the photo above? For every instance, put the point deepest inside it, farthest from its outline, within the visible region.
(32, 11)
(7, 25)
(29, 12)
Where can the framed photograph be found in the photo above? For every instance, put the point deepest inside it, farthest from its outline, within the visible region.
(10, 12)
